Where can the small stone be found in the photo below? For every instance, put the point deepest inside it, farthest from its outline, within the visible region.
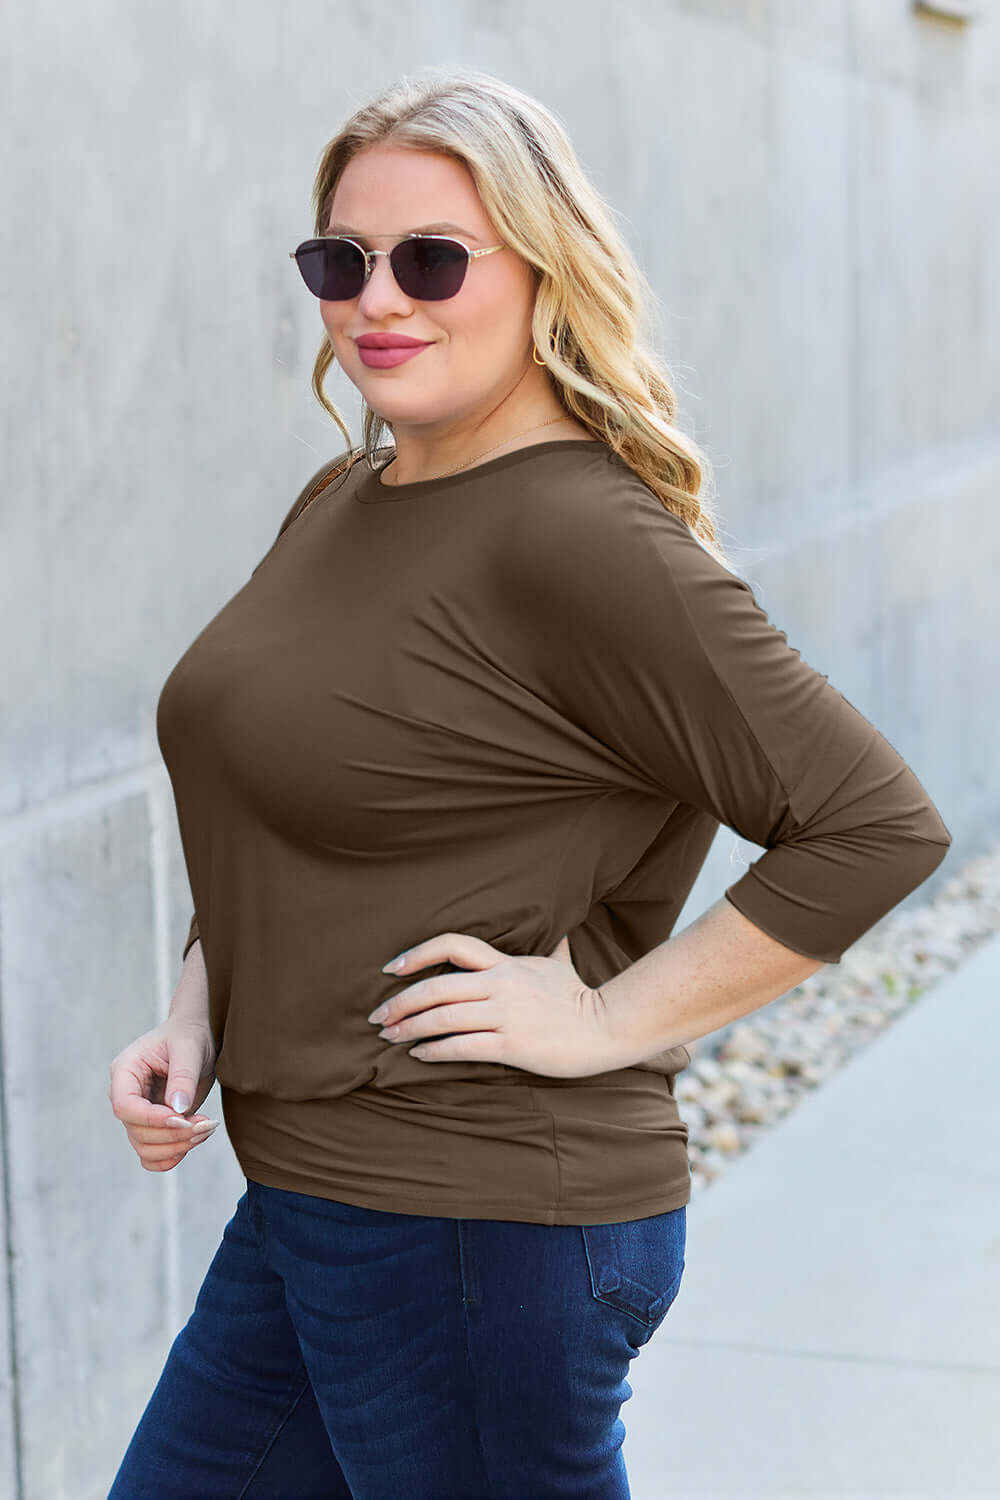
(694, 1117)
(723, 1136)
(720, 1096)
(753, 1105)
(744, 1044)
(688, 1088)
(741, 1072)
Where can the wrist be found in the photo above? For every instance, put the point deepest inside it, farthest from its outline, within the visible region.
(624, 1042)
(190, 1003)
(183, 1015)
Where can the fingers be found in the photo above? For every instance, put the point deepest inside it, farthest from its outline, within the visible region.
(174, 1130)
(140, 1114)
(159, 1150)
(132, 1081)
(161, 1136)
(137, 1087)
(459, 948)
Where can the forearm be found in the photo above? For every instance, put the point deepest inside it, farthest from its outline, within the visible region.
(718, 969)
(190, 999)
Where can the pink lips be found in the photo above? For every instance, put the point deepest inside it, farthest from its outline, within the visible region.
(381, 351)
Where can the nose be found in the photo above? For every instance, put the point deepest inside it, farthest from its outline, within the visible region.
(381, 293)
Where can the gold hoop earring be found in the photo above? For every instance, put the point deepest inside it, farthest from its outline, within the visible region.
(534, 355)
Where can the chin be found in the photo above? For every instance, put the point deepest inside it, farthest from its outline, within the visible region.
(395, 412)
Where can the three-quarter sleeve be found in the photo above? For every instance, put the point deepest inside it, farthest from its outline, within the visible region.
(191, 939)
(665, 658)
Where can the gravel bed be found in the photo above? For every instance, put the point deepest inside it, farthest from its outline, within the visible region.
(748, 1075)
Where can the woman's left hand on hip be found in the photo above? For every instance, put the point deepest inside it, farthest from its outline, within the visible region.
(529, 1012)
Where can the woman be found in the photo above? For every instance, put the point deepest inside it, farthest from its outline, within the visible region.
(483, 704)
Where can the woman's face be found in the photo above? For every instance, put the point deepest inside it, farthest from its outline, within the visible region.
(480, 339)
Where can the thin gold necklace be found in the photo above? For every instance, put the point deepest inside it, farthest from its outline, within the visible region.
(472, 460)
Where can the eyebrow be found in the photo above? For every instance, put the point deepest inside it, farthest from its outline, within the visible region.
(442, 228)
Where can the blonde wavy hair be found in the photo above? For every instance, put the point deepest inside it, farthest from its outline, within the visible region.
(592, 304)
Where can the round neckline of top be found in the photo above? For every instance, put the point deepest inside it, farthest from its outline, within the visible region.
(371, 491)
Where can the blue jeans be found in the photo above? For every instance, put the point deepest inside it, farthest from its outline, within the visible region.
(357, 1354)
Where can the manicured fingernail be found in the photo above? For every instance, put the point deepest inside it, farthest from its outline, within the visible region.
(173, 1121)
(395, 963)
(379, 1014)
(180, 1102)
(205, 1127)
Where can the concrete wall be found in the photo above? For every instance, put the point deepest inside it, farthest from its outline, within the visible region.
(807, 187)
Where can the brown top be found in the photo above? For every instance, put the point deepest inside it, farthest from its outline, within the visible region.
(515, 702)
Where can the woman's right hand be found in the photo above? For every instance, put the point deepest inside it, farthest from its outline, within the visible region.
(179, 1054)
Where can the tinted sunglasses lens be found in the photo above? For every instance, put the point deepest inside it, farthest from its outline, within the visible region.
(331, 269)
(428, 269)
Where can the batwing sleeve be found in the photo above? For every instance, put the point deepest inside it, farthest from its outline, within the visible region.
(665, 658)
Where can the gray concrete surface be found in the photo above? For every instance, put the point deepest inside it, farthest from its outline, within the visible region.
(837, 1332)
(809, 190)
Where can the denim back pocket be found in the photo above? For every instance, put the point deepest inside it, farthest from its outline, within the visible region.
(636, 1266)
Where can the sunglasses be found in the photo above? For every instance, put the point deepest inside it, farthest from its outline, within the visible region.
(427, 267)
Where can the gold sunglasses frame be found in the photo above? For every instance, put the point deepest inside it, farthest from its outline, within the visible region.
(369, 256)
